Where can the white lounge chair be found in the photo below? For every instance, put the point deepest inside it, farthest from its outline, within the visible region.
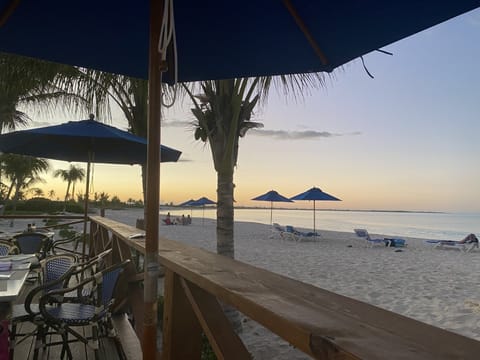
(363, 233)
(468, 244)
(297, 235)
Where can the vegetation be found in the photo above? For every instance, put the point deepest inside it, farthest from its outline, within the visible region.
(71, 176)
(22, 171)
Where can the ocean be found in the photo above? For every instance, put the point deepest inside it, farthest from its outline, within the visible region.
(450, 226)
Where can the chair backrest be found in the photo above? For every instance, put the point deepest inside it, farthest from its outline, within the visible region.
(107, 282)
(55, 266)
(362, 233)
(30, 243)
(7, 248)
(278, 227)
(290, 229)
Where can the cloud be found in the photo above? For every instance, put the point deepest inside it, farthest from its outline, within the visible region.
(298, 135)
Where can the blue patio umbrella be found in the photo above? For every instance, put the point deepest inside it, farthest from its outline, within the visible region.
(202, 202)
(314, 194)
(83, 141)
(319, 35)
(189, 204)
(272, 196)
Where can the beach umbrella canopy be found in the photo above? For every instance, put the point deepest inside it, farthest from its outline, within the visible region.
(319, 35)
(202, 202)
(187, 203)
(314, 194)
(272, 196)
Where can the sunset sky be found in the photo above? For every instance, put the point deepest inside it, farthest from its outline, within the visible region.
(409, 139)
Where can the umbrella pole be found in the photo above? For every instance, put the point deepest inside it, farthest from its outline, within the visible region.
(314, 231)
(271, 212)
(85, 207)
(203, 219)
(155, 69)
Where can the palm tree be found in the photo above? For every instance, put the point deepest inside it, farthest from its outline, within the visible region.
(223, 112)
(72, 175)
(51, 194)
(23, 171)
(30, 82)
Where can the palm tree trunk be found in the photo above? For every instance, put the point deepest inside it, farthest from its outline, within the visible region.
(225, 245)
(68, 191)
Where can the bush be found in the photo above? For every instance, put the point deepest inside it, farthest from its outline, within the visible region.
(45, 206)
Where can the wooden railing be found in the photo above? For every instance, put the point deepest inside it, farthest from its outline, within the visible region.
(320, 323)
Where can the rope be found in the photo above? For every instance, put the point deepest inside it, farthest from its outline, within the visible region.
(167, 35)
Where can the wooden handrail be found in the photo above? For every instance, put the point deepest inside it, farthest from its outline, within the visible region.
(322, 324)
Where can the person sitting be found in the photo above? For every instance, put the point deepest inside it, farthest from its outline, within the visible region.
(189, 220)
(469, 239)
(168, 220)
(183, 220)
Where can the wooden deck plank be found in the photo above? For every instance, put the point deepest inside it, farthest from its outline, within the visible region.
(320, 323)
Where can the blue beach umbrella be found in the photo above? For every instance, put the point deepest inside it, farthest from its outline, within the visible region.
(315, 194)
(272, 196)
(202, 202)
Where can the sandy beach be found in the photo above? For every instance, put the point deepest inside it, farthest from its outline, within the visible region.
(438, 287)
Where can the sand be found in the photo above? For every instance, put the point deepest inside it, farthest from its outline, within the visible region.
(438, 287)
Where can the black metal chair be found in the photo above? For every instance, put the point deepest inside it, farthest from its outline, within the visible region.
(64, 313)
(55, 273)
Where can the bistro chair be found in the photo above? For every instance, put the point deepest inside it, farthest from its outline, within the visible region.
(65, 314)
(32, 243)
(7, 248)
(55, 273)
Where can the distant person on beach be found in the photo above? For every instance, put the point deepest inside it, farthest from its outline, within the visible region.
(183, 220)
(168, 220)
(469, 239)
(189, 220)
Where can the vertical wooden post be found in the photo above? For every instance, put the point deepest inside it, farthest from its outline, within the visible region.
(153, 183)
(182, 332)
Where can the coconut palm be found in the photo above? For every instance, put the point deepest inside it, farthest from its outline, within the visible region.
(223, 112)
(23, 171)
(70, 176)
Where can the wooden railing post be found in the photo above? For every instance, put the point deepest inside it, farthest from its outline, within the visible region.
(182, 333)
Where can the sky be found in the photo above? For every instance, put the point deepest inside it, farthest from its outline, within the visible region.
(408, 139)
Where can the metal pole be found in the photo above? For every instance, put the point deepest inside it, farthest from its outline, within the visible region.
(85, 207)
(314, 229)
(153, 183)
(271, 212)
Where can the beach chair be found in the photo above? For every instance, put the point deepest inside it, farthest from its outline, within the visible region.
(363, 233)
(297, 235)
(468, 244)
(277, 229)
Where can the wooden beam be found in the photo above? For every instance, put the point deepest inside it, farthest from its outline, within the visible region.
(306, 32)
(224, 341)
(182, 333)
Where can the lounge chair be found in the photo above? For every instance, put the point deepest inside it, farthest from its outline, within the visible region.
(363, 233)
(277, 229)
(469, 243)
(297, 235)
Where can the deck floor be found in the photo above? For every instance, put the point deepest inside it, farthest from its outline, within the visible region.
(25, 350)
